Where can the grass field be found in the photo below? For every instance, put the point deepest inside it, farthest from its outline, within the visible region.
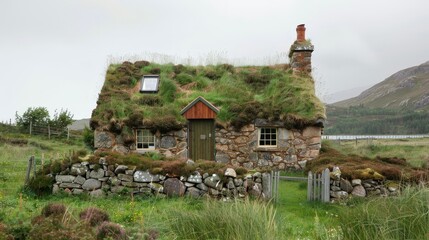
(294, 217)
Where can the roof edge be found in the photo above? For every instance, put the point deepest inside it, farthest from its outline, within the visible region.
(195, 101)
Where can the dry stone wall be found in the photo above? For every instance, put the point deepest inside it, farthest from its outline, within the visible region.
(100, 180)
(238, 148)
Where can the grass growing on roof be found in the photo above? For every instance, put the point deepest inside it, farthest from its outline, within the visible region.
(272, 90)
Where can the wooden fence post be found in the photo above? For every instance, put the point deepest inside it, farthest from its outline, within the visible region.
(309, 186)
(325, 185)
(68, 133)
(29, 166)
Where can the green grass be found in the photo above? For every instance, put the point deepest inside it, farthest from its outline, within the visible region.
(413, 150)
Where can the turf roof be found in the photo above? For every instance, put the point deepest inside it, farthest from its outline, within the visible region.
(241, 93)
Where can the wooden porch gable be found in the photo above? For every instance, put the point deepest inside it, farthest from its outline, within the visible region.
(200, 108)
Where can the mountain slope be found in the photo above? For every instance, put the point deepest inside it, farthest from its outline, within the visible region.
(408, 88)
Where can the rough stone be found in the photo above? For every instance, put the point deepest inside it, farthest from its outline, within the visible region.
(202, 186)
(222, 157)
(103, 139)
(91, 184)
(230, 172)
(356, 182)
(339, 194)
(125, 177)
(114, 181)
(102, 161)
(291, 158)
(345, 185)
(55, 189)
(183, 154)
(174, 187)
(193, 192)
(77, 191)
(70, 185)
(253, 157)
(99, 173)
(145, 177)
(168, 142)
(156, 187)
(302, 163)
(230, 184)
(79, 180)
(188, 184)
(312, 132)
(64, 178)
(359, 191)
(335, 188)
(117, 189)
(97, 193)
(78, 169)
(256, 190)
(120, 149)
(238, 182)
(195, 178)
(129, 184)
(213, 182)
(121, 169)
(129, 172)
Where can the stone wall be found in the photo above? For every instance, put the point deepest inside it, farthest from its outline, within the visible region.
(238, 148)
(341, 188)
(99, 180)
(294, 148)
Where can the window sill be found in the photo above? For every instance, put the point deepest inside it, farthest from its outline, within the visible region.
(269, 149)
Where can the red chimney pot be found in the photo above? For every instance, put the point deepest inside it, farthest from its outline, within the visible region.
(300, 32)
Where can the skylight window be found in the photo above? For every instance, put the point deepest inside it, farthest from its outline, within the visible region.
(150, 84)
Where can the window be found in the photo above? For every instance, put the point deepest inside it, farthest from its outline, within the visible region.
(150, 84)
(268, 137)
(145, 139)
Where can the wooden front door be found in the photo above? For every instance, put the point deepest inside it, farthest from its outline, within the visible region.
(201, 139)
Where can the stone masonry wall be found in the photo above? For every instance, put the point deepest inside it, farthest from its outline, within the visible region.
(238, 148)
(100, 180)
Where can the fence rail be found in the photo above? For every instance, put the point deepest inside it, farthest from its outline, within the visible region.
(354, 137)
(41, 130)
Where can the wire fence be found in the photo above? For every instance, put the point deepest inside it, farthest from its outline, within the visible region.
(40, 130)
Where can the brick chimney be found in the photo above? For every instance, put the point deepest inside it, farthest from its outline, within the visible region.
(300, 52)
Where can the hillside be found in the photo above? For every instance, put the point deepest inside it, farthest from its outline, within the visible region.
(408, 88)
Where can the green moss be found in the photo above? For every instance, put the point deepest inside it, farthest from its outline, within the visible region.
(241, 94)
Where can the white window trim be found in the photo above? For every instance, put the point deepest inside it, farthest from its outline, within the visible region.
(151, 90)
(150, 148)
(268, 146)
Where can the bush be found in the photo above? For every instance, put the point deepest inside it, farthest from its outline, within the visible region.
(94, 216)
(54, 209)
(111, 231)
(88, 138)
(41, 184)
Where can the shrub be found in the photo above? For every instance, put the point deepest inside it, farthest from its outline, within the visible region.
(94, 216)
(111, 231)
(4, 233)
(56, 229)
(54, 209)
(41, 184)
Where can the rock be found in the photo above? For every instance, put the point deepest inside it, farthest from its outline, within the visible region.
(230, 172)
(182, 178)
(145, 190)
(345, 185)
(78, 169)
(213, 192)
(230, 184)
(213, 182)
(202, 186)
(359, 191)
(195, 178)
(335, 188)
(188, 184)
(129, 184)
(356, 182)
(168, 142)
(190, 162)
(206, 175)
(193, 192)
(129, 172)
(222, 157)
(253, 157)
(145, 177)
(125, 177)
(339, 194)
(64, 178)
(256, 190)
(174, 187)
(97, 193)
(120, 149)
(103, 179)
(114, 181)
(55, 189)
(302, 163)
(392, 189)
(336, 173)
(117, 189)
(182, 154)
(310, 132)
(102, 161)
(238, 182)
(67, 191)
(168, 154)
(291, 158)
(266, 186)
(367, 185)
(70, 185)
(99, 173)
(103, 139)
(121, 169)
(257, 175)
(248, 165)
(91, 184)
(79, 180)
(156, 187)
(110, 173)
(77, 191)
(277, 159)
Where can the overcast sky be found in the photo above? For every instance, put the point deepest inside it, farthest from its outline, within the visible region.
(55, 53)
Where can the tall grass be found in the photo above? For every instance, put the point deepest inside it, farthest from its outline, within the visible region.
(224, 220)
(402, 217)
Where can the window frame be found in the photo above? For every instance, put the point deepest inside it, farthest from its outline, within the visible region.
(147, 77)
(276, 137)
(142, 142)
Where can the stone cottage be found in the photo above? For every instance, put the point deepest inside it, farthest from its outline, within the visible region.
(249, 116)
